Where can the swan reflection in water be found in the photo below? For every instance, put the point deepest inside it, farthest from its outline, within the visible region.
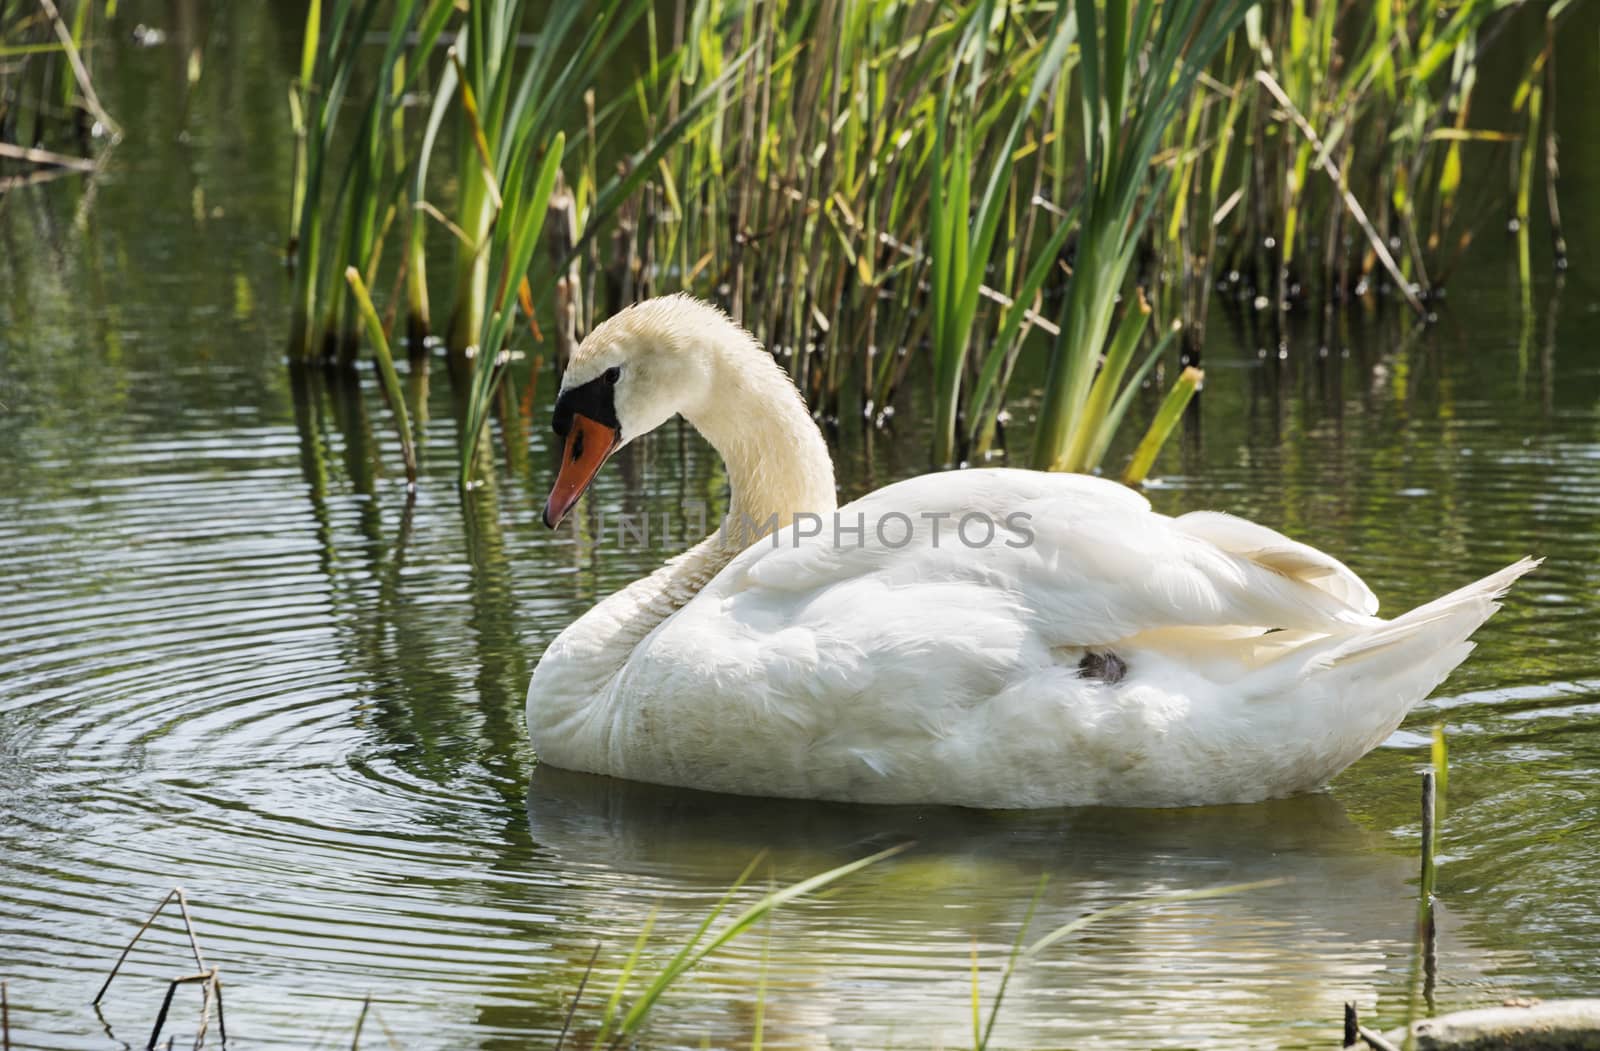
(885, 957)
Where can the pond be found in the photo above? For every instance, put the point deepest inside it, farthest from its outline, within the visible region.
(233, 659)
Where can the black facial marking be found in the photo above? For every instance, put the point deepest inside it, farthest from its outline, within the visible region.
(1107, 667)
(595, 399)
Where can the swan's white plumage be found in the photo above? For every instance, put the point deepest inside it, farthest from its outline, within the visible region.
(854, 669)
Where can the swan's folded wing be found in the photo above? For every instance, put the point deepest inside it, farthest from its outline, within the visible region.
(1082, 561)
(855, 665)
(1272, 549)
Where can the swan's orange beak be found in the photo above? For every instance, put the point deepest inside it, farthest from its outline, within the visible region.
(589, 445)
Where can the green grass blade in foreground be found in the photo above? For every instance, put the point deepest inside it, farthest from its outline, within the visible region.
(741, 923)
(1066, 930)
(385, 360)
(1011, 964)
(622, 979)
(693, 943)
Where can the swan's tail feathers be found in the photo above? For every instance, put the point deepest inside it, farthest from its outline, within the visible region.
(1338, 697)
(1438, 627)
(1365, 683)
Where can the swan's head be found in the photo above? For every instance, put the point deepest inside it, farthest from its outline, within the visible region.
(634, 372)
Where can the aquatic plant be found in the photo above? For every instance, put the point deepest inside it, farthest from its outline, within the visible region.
(510, 107)
(1326, 158)
(506, 103)
(962, 236)
(339, 221)
(893, 192)
(618, 1023)
(514, 238)
(48, 102)
(385, 362)
(1125, 114)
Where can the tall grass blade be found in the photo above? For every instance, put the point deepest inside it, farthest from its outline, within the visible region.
(386, 372)
(1161, 428)
(1011, 964)
(524, 224)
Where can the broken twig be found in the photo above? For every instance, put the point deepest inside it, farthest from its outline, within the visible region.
(211, 991)
(1326, 163)
(566, 1025)
(79, 70)
(361, 1020)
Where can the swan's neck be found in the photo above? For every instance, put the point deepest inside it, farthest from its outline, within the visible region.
(778, 465)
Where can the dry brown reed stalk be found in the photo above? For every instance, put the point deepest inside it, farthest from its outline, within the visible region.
(211, 988)
(45, 158)
(37, 177)
(1355, 1032)
(210, 991)
(79, 71)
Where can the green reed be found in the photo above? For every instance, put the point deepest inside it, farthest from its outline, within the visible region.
(511, 104)
(514, 237)
(362, 177)
(895, 191)
(618, 1022)
(344, 201)
(962, 232)
(1125, 114)
(884, 203)
(386, 373)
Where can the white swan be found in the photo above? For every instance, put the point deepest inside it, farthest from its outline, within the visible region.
(1092, 652)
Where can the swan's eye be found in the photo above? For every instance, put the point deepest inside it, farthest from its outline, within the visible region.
(613, 374)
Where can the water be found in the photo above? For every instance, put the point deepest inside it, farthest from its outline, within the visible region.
(231, 659)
